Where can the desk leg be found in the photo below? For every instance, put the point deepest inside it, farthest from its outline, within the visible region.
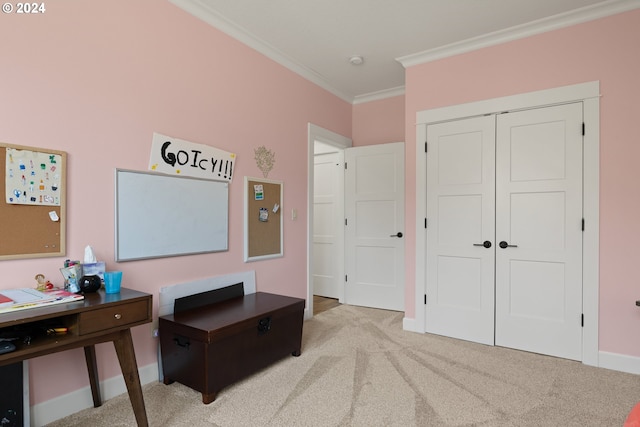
(92, 367)
(129, 367)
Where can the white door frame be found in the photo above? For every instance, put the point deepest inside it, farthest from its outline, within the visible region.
(316, 133)
(589, 95)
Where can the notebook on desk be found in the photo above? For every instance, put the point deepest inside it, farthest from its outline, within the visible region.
(25, 298)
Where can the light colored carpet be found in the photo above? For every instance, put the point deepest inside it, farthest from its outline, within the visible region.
(359, 368)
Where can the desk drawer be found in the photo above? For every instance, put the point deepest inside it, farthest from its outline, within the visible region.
(113, 317)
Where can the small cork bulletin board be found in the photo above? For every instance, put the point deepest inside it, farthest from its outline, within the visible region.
(263, 219)
(33, 205)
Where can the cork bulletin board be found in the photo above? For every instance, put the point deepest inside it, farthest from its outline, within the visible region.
(263, 223)
(33, 205)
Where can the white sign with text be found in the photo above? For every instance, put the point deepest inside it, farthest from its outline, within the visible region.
(175, 156)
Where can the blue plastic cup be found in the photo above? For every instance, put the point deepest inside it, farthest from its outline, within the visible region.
(112, 281)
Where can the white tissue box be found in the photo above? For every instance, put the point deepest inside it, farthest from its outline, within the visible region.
(94, 269)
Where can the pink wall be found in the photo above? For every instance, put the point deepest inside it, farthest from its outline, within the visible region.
(96, 79)
(604, 50)
(378, 122)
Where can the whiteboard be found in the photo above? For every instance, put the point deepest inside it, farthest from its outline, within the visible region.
(160, 215)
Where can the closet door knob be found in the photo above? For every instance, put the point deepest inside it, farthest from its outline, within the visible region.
(398, 234)
(486, 244)
(505, 245)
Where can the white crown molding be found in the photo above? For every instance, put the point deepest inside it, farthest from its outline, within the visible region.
(200, 10)
(381, 94)
(585, 14)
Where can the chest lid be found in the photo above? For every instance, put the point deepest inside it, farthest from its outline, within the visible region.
(211, 322)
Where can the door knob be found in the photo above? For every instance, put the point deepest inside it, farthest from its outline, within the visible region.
(505, 245)
(398, 234)
(486, 244)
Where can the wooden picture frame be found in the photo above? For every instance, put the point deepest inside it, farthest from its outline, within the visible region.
(263, 219)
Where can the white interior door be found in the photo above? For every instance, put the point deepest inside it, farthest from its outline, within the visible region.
(460, 230)
(374, 210)
(328, 214)
(539, 215)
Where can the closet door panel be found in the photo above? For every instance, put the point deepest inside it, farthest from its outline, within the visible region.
(460, 213)
(538, 217)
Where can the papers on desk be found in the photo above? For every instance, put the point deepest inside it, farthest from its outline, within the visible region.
(5, 301)
(24, 298)
(21, 296)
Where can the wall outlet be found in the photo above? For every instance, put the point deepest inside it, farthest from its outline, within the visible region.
(154, 329)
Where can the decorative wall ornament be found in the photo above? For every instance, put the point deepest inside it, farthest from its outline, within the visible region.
(265, 159)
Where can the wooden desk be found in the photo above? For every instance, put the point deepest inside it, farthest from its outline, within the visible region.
(98, 318)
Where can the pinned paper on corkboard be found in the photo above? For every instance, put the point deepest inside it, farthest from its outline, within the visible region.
(32, 177)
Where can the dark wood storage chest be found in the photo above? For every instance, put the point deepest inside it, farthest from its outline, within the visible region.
(210, 347)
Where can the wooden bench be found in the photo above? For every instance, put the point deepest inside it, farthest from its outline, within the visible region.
(211, 346)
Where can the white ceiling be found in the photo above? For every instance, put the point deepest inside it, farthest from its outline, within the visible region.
(316, 38)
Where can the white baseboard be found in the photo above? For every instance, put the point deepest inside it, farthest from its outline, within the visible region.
(619, 362)
(65, 405)
(606, 360)
(410, 325)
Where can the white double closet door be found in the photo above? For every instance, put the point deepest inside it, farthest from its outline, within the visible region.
(504, 233)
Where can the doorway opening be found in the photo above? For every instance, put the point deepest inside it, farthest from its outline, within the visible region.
(325, 236)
